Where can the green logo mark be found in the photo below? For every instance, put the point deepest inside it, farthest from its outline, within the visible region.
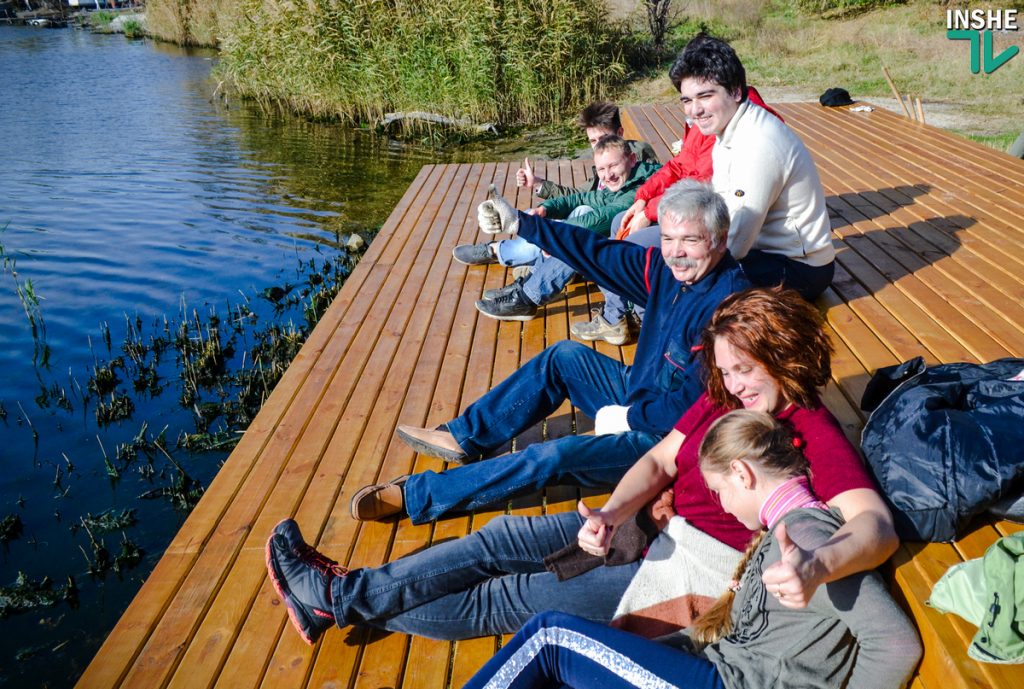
(981, 50)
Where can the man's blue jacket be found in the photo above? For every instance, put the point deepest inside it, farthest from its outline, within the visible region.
(667, 372)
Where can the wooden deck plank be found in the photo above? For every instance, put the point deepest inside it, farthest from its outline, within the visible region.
(294, 480)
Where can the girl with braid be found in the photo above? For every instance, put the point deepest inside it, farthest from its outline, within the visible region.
(851, 634)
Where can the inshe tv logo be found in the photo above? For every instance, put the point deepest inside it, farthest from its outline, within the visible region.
(977, 26)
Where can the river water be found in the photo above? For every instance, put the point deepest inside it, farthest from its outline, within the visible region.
(130, 196)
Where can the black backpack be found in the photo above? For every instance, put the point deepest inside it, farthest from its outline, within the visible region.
(944, 442)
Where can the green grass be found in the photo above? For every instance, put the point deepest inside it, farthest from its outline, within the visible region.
(133, 29)
(1000, 142)
(800, 52)
(101, 19)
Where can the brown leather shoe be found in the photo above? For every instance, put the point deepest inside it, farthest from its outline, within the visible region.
(432, 442)
(379, 501)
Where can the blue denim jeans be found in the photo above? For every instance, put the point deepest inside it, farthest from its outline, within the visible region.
(555, 649)
(549, 275)
(615, 307)
(517, 252)
(566, 370)
(490, 582)
(768, 270)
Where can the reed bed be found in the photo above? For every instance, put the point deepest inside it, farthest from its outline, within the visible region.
(500, 61)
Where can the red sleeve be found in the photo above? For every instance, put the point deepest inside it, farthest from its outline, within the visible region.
(695, 415)
(693, 162)
(836, 466)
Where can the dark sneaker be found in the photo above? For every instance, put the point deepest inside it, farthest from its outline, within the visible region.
(497, 292)
(302, 577)
(475, 254)
(379, 501)
(513, 305)
(600, 329)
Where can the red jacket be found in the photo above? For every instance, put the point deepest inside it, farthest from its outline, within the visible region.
(693, 162)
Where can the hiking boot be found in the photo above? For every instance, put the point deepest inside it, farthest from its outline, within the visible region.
(475, 254)
(379, 501)
(513, 305)
(600, 329)
(302, 577)
(522, 272)
(496, 214)
(497, 292)
(432, 442)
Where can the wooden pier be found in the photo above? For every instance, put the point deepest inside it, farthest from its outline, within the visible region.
(930, 236)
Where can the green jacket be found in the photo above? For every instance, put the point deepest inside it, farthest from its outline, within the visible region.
(606, 204)
(550, 190)
(988, 592)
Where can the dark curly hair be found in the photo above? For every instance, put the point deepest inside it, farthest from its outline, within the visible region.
(710, 59)
(781, 331)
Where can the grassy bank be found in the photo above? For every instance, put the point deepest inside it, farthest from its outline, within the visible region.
(793, 53)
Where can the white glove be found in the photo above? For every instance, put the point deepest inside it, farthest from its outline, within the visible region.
(497, 215)
(611, 419)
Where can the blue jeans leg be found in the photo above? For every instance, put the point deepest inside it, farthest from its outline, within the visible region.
(517, 252)
(565, 370)
(548, 278)
(489, 582)
(555, 649)
(615, 307)
(584, 460)
(768, 270)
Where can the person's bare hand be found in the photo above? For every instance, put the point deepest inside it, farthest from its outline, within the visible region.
(636, 209)
(540, 212)
(792, 580)
(595, 535)
(638, 222)
(525, 176)
(662, 508)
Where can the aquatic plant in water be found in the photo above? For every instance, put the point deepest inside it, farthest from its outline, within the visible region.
(10, 528)
(26, 594)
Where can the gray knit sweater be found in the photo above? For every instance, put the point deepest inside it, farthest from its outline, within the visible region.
(852, 634)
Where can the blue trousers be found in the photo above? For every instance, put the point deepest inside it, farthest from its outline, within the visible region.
(555, 649)
(549, 275)
(566, 370)
(615, 307)
(490, 582)
(767, 270)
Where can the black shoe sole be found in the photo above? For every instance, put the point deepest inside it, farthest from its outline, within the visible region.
(481, 307)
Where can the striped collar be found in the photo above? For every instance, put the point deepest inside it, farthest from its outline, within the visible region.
(793, 494)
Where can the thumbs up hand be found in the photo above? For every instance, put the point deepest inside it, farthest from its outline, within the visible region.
(791, 579)
(496, 214)
(595, 535)
(525, 176)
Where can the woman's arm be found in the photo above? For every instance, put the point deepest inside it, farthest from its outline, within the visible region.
(642, 483)
(888, 647)
(864, 542)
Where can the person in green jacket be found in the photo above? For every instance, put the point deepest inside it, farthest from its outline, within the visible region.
(620, 175)
(597, 121)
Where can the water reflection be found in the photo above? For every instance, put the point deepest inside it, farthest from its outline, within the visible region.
(126, 195)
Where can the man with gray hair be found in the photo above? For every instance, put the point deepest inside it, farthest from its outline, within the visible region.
(633, 407)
